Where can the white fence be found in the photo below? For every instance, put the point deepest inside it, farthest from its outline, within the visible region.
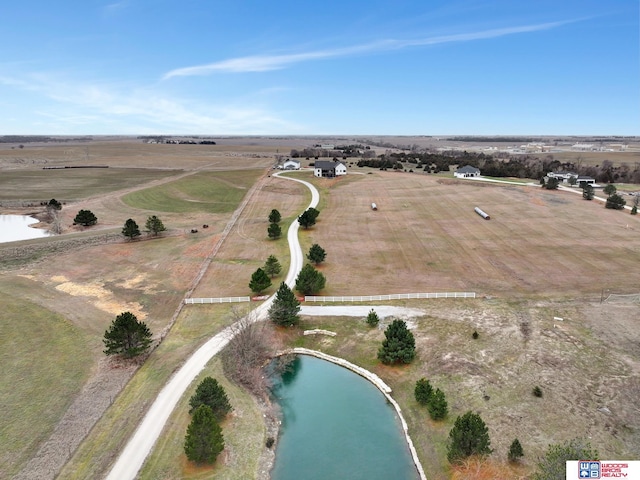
(395, 296)
(218, 300)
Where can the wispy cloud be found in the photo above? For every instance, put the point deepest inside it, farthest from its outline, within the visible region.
(139, 108)
(263, 63)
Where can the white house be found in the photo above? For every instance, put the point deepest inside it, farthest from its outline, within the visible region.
(565, 177)
(323, 168)
(467, 171)
(291, 165)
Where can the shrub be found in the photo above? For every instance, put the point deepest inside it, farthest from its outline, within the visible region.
(475, 335)
(423, 391)
(537, 391)
(372, 318)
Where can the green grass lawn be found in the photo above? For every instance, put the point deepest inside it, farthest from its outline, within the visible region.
(45, 361)
(210, 192)
(73, 184)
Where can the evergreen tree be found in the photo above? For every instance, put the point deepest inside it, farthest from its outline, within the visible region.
(127, 336)
(634, 210)
(209, 392)
(515, 451)
(552, 465)
(272, 266)
(204, 441)
(372, 318)
(552, 183)
(316, 254)
(154, 225)
(310, 280)
(438, 407)
(85, 218)
(469, 436)
(259, 281)
(307, 219)
(274, 216)
(610, 189)
(274, 231)
(615, 201)
(313, 213)
(399, 345)
(54, 204)
(423, 391)
(588, 192)
(285, 307)
(130, 229)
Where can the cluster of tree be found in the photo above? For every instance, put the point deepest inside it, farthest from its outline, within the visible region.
(399, 345)
(614, 200)
(127, 336)
(434, 400)
(381, 163)
(209, 405)
(153, 226)
(261, 278)
(308, 217)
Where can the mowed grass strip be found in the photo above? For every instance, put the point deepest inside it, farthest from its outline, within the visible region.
(45, 360)
(210, 192)
(74, 183)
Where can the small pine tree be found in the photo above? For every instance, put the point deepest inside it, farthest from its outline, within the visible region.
(553, 464)
(154, 225)
(274, 231)
(438, 407)
(85, 218)
(204, 441)
(515, 451)
(130, 229)
(285, 307)
(372, 318)
(209, 392)
(634, 210)
(475, 335)
(260, 281)
(399, 345)
(537, 391)
(127, 336)
(423, 391)
(272, 266)
(310, 280)
(54, 204)
(469, 436)
(274, 216)
(308, 218)
(316, 254)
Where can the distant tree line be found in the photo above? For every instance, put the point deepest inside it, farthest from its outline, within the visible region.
(505, 165)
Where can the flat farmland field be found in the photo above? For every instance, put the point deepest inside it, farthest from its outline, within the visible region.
(426, 237)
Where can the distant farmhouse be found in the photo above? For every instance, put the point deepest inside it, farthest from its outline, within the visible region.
(565, 177)
(323, 168)
(291, 165)
(466, 172)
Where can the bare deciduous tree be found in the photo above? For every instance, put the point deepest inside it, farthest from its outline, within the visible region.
(251, 346)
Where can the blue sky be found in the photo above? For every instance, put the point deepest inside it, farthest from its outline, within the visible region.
(380, 67)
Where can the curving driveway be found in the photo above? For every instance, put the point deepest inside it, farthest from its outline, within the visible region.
(140, 444)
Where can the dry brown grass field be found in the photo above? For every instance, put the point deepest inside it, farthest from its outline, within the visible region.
(543, 254)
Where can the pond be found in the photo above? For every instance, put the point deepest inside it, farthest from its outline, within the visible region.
(16, 227)
(336, 424)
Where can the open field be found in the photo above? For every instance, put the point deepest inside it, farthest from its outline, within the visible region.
(543, 254)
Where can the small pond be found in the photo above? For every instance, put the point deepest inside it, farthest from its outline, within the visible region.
(16, 227)
(337, 425)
